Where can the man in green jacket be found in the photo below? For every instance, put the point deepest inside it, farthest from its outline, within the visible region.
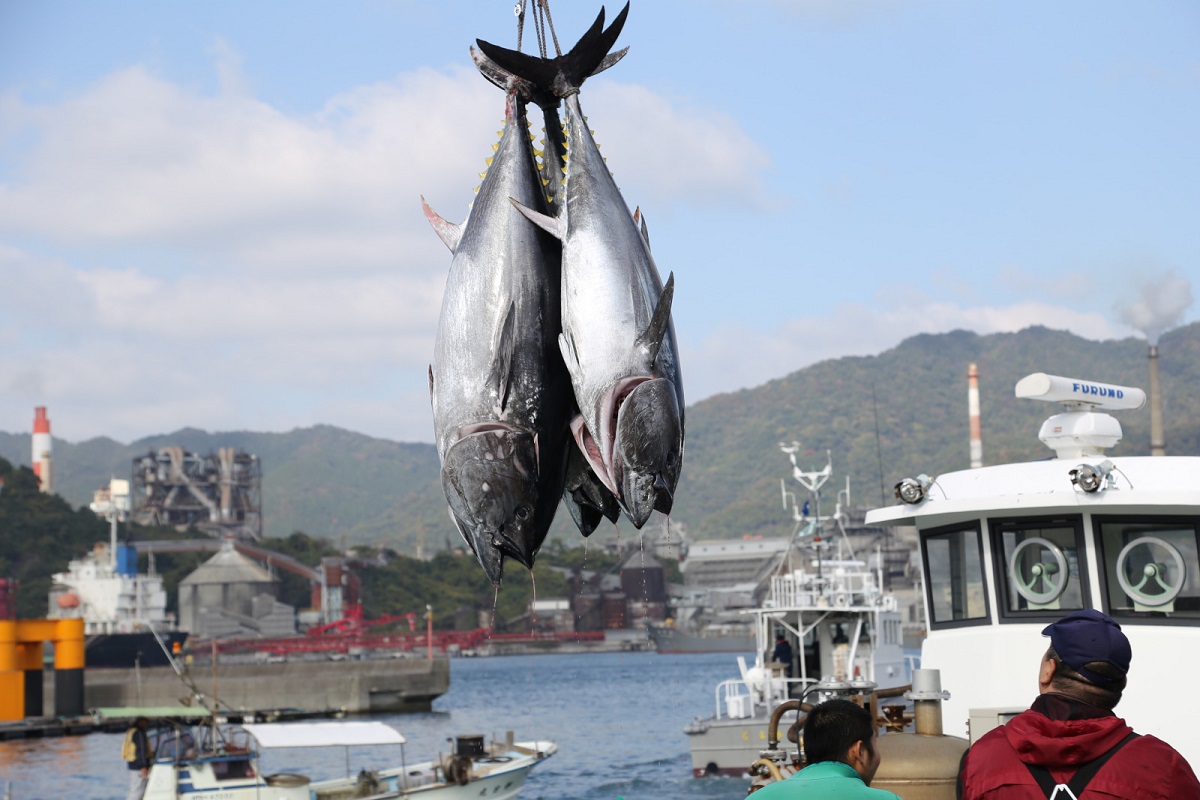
(839, 746)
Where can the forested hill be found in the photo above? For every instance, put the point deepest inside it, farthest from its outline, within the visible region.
(351, 488)
(919, 390)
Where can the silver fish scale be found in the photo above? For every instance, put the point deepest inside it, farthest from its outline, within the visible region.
(500, 261)
(610, 284)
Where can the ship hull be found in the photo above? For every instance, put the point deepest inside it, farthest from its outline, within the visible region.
(673, 641)
(129, 649)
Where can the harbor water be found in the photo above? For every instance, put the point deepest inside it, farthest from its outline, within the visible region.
(617, 718)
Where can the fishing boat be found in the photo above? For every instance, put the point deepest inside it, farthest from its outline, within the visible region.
(1009, 548)
(212, 760)
(841, 626)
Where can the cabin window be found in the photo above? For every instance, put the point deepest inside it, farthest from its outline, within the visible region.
(173, 745)
(234, 768)
(1151, 570)
(1040, 572)
(954, 583)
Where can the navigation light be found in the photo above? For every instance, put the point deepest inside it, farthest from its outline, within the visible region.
(912, 490)
(1091, 478)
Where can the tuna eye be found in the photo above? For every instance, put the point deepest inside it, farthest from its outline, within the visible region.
(522, 513)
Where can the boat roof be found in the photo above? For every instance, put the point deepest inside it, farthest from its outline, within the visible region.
(323, 734)
(150, 712)
(1140, 483)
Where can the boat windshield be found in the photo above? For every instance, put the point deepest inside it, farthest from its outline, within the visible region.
(954, 575)
(1151, 569)
(1040, 558)
(173, 744)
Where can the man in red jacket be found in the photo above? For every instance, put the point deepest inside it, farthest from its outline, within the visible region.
(1070, 738)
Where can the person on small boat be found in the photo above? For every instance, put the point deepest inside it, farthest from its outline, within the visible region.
(783, 653)
(840, 747)
(136, 753)
(1070, 738)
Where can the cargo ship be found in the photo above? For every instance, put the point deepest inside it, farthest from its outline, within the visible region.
(124, 613)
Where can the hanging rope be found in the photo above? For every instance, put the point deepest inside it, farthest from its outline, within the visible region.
(541, 20)
(545, 5)
(519, 12)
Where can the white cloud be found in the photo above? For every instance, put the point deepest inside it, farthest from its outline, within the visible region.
(665, 155)
(211, 261)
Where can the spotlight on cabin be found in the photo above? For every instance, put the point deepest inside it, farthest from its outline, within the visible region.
(1091, 479)
(912, 490)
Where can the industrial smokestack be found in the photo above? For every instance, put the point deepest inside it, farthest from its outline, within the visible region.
(1157, 445)
(973, 411)
(1158, 307)
(42, 447)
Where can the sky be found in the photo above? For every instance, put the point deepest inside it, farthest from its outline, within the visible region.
(210, 211)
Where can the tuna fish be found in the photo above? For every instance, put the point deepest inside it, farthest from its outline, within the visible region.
(617, 338)
(586, 498)
(500, 392)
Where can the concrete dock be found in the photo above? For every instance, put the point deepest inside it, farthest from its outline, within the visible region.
(369, 686)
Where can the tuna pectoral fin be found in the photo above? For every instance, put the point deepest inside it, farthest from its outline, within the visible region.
(567, 347)
(640, 218)
(651, 338)
(498, 378)
(449, 232)
(555, 226)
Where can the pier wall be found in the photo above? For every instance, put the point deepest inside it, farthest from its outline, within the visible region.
(359, 687)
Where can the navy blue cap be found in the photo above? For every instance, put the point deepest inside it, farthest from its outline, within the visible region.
(1087, 636)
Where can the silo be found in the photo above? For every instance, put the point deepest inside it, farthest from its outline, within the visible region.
(229, 581)
(642, 579)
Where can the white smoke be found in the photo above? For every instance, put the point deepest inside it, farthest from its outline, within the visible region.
(1159, 306)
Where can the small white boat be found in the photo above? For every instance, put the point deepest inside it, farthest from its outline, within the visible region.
(223, 761)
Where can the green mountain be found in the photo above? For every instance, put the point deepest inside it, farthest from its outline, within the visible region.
(351, 488)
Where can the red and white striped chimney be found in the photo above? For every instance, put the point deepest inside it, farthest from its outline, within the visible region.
(42, 447)
(973, 411)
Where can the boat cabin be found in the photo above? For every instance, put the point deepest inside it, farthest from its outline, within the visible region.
(1008, 549)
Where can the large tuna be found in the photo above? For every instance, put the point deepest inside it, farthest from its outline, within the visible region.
(618, 341)
(501, 395)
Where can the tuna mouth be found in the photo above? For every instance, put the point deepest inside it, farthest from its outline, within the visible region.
(599, 452)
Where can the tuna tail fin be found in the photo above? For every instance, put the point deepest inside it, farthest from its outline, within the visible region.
(491, 70)
(562, 76)
(449, 232)
(503, 79)
(651, 339)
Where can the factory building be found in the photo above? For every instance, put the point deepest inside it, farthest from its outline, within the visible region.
(230, 595)
(219, 494)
